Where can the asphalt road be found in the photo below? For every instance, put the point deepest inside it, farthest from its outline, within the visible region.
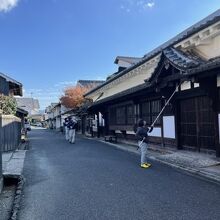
(92, 180)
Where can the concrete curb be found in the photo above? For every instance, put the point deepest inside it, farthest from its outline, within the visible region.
(195, 172)
(14, 170)
(17, 200)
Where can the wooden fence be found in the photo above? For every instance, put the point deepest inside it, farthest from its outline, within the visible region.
(10, 132)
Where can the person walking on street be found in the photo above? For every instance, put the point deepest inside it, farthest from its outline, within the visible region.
(65, 125)
(72, 130)
(142, 134)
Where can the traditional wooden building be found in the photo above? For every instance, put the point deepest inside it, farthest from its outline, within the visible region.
(8, 86)
(188, 63)
(84, 122)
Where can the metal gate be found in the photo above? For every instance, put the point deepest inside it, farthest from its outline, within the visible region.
(197, 123)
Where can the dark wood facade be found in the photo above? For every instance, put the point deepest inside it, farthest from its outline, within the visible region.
(9, 86)
(193, 112)
(4, 86)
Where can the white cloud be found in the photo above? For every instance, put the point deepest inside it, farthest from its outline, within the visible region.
(138, 5)
(150, 4)
(7, 5)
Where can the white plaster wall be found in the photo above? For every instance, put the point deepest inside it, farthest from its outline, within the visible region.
(211, 48)
(101, 120)
(126, 84)
(58, 123)
(130, 132)
(196, 85)
(185, 85)
(169, 126)
(123, 63)
(218, 80)
(156, 132)
(219, 126)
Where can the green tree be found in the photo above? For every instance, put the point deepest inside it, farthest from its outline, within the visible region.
(8, 105)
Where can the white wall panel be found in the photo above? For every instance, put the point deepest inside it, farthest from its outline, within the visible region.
(169, 126)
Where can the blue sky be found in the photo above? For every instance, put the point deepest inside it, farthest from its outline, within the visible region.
(48, 44)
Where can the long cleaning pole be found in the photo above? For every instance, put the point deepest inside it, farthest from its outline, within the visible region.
(167, 102)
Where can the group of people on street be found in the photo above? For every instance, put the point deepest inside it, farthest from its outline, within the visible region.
(141, 131)
(70, 126)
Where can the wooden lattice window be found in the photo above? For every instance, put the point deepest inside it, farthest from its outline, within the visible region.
(155, 110)
(121, 115)
(130, 114)
(150, 110)
(112, 116)
(146, 112)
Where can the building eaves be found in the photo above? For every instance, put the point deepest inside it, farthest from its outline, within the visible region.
(131, 60)
(209, 65)
(90, 81)
(180, 59)
(209, 20)
(23, 111)
(54, 105)
(123, 93)
(9, 79)
(115, 77)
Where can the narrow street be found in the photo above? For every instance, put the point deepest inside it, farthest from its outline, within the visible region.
(92, 180)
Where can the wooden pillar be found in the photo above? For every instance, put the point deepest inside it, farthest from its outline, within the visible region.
(215, 99)
(217, 118)
(177, 124)
(83, 123)
(106, 118)
(98, 128)
(162, 128)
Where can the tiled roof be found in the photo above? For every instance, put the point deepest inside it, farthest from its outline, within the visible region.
(22, 111)
(181, 60)
(9, 79)
(209, 20)
(209, 65)
(131, 60)
(29, 104)
(90, 82)
(15, 87)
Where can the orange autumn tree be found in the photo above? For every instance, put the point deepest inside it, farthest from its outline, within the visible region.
(73, 96)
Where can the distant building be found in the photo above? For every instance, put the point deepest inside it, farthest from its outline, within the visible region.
(31, 105)
(52, 116)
